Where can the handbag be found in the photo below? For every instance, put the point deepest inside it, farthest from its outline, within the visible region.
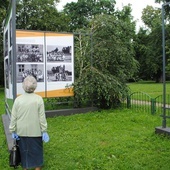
(14, 156)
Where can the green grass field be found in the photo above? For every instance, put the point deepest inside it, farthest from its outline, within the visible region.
(149, 87)
(120, 139)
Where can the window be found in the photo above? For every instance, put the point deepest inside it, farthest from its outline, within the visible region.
(21, 68)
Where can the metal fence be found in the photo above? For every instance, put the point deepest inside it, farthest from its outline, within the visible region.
(144, 102)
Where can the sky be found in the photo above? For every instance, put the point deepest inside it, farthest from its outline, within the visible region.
(137, 7)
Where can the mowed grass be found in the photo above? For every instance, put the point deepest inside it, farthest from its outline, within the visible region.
(119, 139)
(151, 88)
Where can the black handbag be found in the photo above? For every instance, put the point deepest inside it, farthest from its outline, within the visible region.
(14, 156)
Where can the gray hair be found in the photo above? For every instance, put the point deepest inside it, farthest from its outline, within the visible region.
(29, 84)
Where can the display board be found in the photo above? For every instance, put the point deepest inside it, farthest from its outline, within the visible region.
(59, 64)
(9, 53)
(49, 58)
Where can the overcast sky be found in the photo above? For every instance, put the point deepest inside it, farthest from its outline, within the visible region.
(137, 6)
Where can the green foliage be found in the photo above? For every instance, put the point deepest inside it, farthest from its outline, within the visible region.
(3, 10)
(2, 100)
(152, 15)
(106, 67)
(82, 12)
(59, 103)
(40, 15)
(168, 66)
(102, 89)
(113, 46)
(149, 45)
(1, 62)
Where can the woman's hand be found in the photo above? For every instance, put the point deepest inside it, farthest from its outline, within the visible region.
(15, 136)
(45, 137)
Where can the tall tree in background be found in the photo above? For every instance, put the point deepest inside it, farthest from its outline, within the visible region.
(83, 11)
(161, 1)
(167, 35)
(142, 52)
(149, 49)
(40, 15)
(3, 10)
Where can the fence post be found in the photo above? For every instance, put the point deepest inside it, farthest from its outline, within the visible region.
(128, 101)
(153, 106)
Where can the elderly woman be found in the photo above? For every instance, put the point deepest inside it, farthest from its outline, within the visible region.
(29, 126)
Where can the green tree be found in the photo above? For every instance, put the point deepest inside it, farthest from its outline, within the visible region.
(3, 10)
(162, 1)
(142, 52)
(40, 15)
(83, 11)
(113, 64)
(149, 48)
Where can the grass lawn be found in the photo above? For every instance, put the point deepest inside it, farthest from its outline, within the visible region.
(119, 139)
(149, 87)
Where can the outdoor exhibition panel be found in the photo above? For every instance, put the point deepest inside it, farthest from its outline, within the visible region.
(49, 58)
(9, 47)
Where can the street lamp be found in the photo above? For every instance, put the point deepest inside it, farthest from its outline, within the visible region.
(163, 129)
(164, 60)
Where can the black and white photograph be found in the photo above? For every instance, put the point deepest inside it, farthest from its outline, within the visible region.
(7, 73)
(10, 66)
(6, 43)
(29, 53)
(59, 72)
(59, 54)
(36, 70)
(10, 26)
